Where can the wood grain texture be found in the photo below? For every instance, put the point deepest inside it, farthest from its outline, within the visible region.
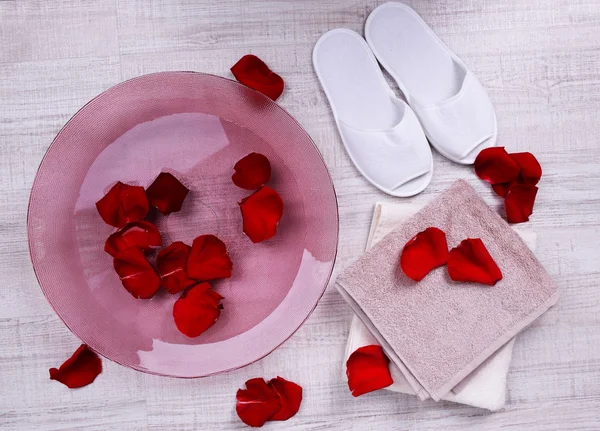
(540, 62)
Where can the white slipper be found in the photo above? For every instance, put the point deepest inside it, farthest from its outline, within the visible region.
(380, 132)
(452, 105)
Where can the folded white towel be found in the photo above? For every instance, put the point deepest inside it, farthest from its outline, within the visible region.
(486, 386)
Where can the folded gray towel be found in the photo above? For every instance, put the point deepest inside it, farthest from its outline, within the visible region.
(438, 331)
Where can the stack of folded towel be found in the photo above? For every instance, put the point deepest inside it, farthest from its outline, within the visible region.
(446, 340)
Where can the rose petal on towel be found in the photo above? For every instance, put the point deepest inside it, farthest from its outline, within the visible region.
(471, 261)
(171, 264)
(137, 275)
(367, 370)
(261, 213)
(531, 170)
(290, 397)
(495, 166)
(519, 202)
(425, 251)
(123, 204)
(141, 234)
(254, 73)
(196, 310)
(79, 370)
(166, 193)
(209, 259)
(252, 171)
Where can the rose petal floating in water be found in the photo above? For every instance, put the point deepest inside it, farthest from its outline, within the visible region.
(197, 310)
(136, 273)
(171, 265)
(141, 234)
(166, 193)
(261, 213)
(123, 204)
(252, 171)
(209, 259)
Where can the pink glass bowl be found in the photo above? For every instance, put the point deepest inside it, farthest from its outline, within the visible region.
(195, 126)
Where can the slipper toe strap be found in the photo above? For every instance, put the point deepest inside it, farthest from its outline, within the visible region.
(461, 123)
(389, 158)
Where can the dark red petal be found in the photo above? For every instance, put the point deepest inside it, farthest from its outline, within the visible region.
(495, 166)
(519, 202)
(425, 251)
(171, 262)
(196, 310)
(208, 259)
(290, 397)
(79, 370)
(123, 204)
(501, 189)
(252, 171)
(470, 261)
(531, 171)
(137, 275)
(257, 403)
(367, 370)
(141, 234)
(166, 193)
(253, 72)
(261, 213)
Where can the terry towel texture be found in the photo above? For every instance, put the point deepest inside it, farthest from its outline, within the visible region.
(438, 331)
(485, 387)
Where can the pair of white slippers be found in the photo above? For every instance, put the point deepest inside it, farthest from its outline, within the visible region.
(385, 137)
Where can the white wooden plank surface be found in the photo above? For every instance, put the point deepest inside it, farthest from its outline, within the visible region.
(539, 59)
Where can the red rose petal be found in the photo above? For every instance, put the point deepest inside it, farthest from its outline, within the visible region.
(261, 213)
(425, 251)
(166, 193)
(196, 310)
(209, 259)
(252, 171)
(501, 189)
(123, 204)
(253, 72)
(531, 171)
(470, 261)
(257, 403)
(171, 262)
(519, 202)
(290, 397)
(367, 370)
(79, 370)
(495, 166)
(141, 234)
(137, 275)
